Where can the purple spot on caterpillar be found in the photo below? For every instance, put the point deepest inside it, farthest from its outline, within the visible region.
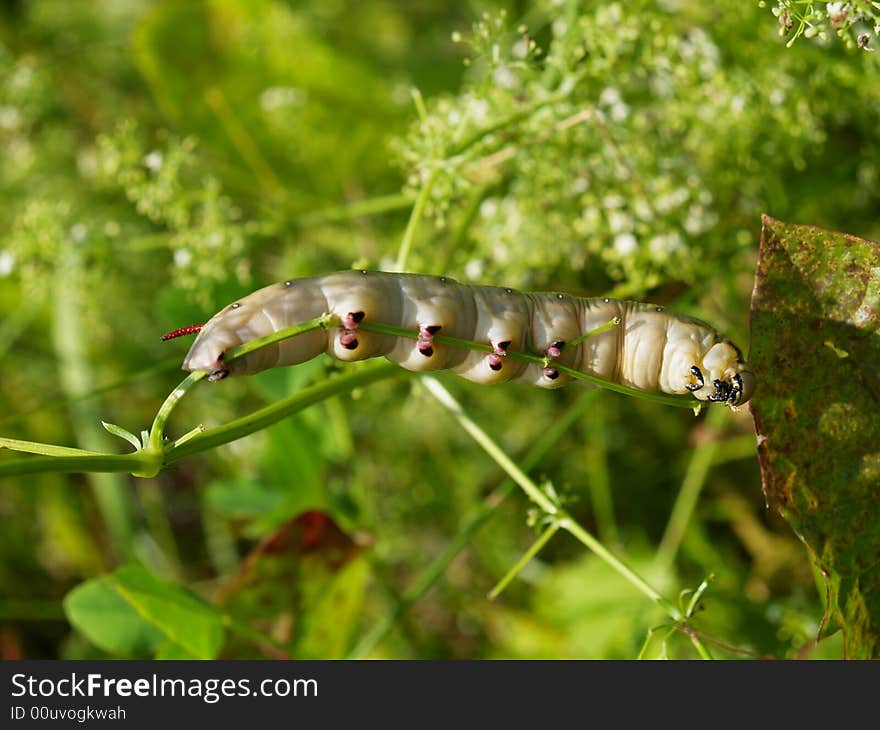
(494, 361)
(500, 348)
(555, 350)
(348, 340)
(350, 321)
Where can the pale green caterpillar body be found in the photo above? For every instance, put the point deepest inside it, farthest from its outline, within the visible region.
(648, 349)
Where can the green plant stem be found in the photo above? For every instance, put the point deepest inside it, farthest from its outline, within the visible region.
(260, 419)
(525, 558)
(119, 463)
(349, 211)
(598, 478)
(580, 534)
(414, 219)
(682, 401)
(689, 494)
(542, 500)
(37, 447)
(508, 121)
(243, 142)
(613, 322)
(70, 333)
(489, 446)
(484, 513)
(157, 431)
(59, 401)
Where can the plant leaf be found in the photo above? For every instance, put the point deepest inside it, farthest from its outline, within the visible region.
(110, 622)
(817, 296)
(123, 434)
(304, 585)
(131, 611)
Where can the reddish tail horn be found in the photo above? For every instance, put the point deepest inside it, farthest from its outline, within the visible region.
(188, 330)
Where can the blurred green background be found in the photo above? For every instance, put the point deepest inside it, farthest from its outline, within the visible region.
(160, 159)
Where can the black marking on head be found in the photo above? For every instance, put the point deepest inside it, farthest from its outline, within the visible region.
(722, 392)
(427, 351)
(504, 345)
(236, 305)
(351, 344)
(551, 373)
(433, 329)
(217, 375)
(698, 374)
(358, 317)
(736, 390)
(494, 365)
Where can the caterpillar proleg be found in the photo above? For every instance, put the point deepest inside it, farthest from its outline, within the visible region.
(649, 349)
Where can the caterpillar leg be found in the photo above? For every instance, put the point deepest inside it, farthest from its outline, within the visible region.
(348, 335)
(425, 343)
(496, 358)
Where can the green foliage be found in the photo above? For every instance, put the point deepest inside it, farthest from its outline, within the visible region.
(133, 613)
(856, 23)
(816, 334)
(175, 155)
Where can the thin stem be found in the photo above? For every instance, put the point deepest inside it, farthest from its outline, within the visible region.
(526, 557)
(542, 500)
(681, 401)
(130, 463)
(37, 447)
(70, 333)
(260, 419)
(579, 533)
(484, 513)
(414, 220)
(509, 121)
(689, 494)
(356, 209)
(489, 446)
(243, 142)
(598, 478)
(613, 322)
(157, 431)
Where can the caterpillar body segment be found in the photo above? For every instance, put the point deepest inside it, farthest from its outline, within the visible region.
(651, 349)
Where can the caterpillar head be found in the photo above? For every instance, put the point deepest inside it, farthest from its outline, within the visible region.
(723, 377)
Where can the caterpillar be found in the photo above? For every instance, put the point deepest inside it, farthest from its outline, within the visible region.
(649, 349)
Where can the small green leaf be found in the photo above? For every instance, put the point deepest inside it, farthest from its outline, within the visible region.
(107, 620)
(123, 434)
(132, 612)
